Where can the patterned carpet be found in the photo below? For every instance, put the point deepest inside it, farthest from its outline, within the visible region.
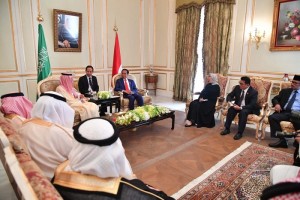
(243, 174)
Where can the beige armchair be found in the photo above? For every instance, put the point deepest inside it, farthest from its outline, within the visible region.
(50, 84)
(124, 102)
(286, 126)
(264, 90)
(222, 80)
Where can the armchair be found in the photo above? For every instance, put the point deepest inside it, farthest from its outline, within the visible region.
(286, 126)
(222, 80)
(264, 90)
(50, 84)
(124, 102)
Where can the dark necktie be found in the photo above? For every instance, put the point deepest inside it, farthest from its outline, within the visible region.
(241, 98)
(291, 102)
(90, 81)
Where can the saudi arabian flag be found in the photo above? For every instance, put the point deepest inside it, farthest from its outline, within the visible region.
(44, 69)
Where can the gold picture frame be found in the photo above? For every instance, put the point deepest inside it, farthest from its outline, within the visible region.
(67, 31)
(286, 26)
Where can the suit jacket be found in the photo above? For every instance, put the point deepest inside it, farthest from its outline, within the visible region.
(83, 84)
(283, 97)
(250, 98)
(121, 86)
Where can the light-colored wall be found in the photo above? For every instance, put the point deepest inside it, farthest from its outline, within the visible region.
(244, 57)
(146, 36)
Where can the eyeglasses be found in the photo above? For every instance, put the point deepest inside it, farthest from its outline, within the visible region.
(241, 83)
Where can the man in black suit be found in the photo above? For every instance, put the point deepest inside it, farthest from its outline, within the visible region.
(88, 83)
(245, 103)
(286, 101)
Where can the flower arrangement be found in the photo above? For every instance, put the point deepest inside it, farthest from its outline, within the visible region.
(292, 25)
(141, 113)
(103, 94)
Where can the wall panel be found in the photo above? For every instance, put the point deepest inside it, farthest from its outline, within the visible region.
(7, 50)
(161, 33)
(29, 39)
(126, 15)
(31, 87)
(8, 86)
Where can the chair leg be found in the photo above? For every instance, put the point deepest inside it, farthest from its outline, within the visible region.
(257, 136)
(263, 130)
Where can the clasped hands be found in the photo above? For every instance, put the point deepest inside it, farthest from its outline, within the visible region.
(236, 107)
(277, 108)
(201, 100)
(127, 91)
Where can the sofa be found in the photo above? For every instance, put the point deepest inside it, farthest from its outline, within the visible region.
(27, 179)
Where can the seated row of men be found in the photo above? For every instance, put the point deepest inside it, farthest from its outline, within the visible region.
(245, 97)
(86, 161)
(88, 85)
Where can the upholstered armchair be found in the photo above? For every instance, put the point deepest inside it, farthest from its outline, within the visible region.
(286, 126)
(222, 80)
(50, 84)
(124, 102)
(264, 90)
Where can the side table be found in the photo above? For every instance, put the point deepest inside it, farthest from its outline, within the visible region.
(151, 78)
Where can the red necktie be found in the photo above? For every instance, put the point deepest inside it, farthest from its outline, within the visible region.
(126, 85)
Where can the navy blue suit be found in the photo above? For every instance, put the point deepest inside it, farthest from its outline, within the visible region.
(120, 86)
(275, 119)
(251, 107)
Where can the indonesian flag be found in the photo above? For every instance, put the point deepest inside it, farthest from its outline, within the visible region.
(117, 63)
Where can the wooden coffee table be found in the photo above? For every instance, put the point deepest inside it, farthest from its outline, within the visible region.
(114, 100)
(148, 122)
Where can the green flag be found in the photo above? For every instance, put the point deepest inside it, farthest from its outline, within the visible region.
(44, 69)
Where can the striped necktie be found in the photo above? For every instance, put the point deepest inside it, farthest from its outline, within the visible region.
(291, 101)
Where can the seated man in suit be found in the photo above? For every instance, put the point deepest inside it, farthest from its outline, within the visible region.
(286, 101)
(128, 87)
(245, 103)
(88, 83)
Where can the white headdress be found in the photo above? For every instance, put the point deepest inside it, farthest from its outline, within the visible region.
(98, 150)
(52, 107)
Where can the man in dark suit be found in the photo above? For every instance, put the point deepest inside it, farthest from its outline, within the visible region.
(128, 87)
(286, 101)
(88, 83)
(245, 103)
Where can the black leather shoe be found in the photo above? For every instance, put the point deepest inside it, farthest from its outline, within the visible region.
(225, 132)
(238, 136)
(279, 144)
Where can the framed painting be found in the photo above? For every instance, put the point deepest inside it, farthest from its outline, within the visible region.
(67, 31)
(286, 26)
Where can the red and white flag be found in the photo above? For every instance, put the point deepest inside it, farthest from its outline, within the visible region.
(117, 63)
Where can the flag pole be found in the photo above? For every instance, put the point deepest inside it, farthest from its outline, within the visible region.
(117, 63)
(40, 17)
(43, 63)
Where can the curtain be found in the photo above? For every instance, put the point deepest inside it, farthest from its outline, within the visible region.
(187, 30)
(216, 38)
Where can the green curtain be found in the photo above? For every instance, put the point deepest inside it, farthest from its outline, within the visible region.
(217, 33)
(187, 30)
